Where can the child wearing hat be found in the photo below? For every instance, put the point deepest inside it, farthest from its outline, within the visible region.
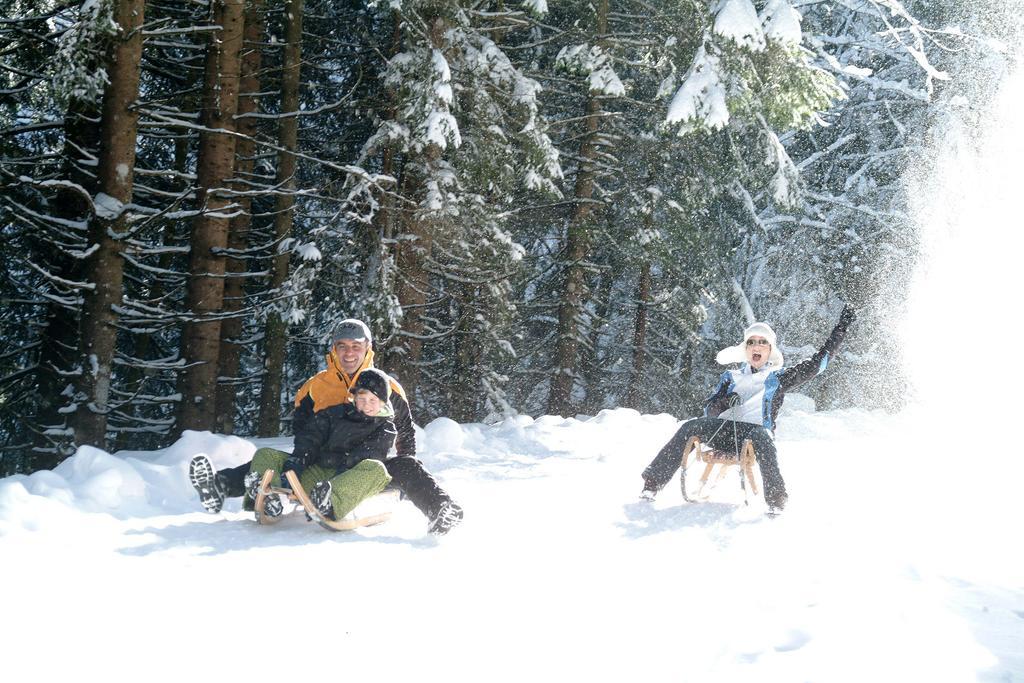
(745, 405)
(340, 456)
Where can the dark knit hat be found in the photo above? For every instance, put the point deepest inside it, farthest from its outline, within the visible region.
(374, 381)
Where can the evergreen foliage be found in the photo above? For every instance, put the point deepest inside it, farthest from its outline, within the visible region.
(536, 207)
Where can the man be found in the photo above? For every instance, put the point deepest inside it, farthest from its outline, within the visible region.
(351, 353)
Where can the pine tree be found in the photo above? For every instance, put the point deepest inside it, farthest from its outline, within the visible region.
(109, 225)
(276, 325)
(200, 344)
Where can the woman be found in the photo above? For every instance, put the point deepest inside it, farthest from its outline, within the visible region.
(745, 405)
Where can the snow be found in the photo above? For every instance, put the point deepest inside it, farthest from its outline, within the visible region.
(977, 222)
(738, 21)
(667, 87)
(781, 22)
(439, 127)
(889, 552)
(596, 64)
(107, 207)
(701, 97)
(440, 66)
(605, 81)
(898, 557)
(308, 251)
(536, 7)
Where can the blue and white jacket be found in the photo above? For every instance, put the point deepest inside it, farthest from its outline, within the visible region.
(756, 396)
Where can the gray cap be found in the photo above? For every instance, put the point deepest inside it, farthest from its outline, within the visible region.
(352, 329)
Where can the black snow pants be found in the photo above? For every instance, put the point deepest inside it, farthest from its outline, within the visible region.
(232, 480)
(410, 477)
(407, 475)
(723, 435)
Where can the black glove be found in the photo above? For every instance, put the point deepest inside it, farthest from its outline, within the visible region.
(295, 464)
(848, 315)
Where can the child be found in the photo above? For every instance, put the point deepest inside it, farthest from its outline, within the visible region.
(340, 457)
(745, 405)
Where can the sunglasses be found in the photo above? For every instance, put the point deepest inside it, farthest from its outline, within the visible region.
(758, 342)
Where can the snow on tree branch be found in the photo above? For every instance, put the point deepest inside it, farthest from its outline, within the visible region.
(700, 99)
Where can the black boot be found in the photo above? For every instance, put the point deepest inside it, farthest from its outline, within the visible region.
(776, 503)
(650, 490)
(446, 518)
(320, 495)
(207, 482)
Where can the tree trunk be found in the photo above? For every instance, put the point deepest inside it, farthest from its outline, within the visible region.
(411, 290)
(577, 250)
(200, 339)
(59, 341)
(590, 357)
(465, 395)
(232, 327)
(275, 335)
(104, 268)
(634, 395)
(144, 345)
(371, 239)
(412, 252)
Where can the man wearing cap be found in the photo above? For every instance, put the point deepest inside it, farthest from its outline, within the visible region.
(745, 405)
(351, 353)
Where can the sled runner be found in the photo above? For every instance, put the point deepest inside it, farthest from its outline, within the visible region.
(724, 459)
(373, 510)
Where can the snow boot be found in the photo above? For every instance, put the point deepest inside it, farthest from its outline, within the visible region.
(447, 517)
(272, 505)
(320, 495)
(207, 482)
(252, 484)
(776, 505)
(650, 491)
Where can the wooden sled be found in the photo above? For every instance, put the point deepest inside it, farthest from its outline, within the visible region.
(373, 510)
(724, 459)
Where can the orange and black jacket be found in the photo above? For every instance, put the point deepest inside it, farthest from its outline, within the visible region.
(331, 387)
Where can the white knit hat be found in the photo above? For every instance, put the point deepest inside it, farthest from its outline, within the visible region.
(738, 353)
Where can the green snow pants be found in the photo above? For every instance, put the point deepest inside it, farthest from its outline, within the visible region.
(348, 489)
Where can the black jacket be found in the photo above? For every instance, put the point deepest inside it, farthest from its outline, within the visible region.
(406, 441)
(339, 437)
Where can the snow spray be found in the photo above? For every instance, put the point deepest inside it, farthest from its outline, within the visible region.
(964, 316)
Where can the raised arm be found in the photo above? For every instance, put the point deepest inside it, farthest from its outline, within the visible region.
(816, 364)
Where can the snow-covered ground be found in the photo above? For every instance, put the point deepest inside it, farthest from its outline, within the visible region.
(894, 561)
